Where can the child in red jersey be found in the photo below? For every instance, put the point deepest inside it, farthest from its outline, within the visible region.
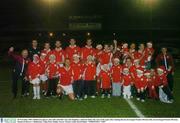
(52, 73)
(72, 49)
(77, 69)
(127, 80)
(105, 81)
(65, 80)
(163, 84)
(125, 51)
(148, 53)
(43, 76)
(140, 84)
(90, 77)
(34, 74)
(116, 71)
(106, 56)
(151, 80)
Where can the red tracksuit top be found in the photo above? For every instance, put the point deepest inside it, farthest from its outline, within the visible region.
(116, 73)
(34, 70)
(65, 76)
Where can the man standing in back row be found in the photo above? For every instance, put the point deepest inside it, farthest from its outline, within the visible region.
(166, 60)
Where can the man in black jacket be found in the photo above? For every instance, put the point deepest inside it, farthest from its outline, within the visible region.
(20, 71)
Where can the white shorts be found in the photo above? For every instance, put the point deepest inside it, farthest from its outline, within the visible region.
(68, 89)
(35, 81)
(43, 77)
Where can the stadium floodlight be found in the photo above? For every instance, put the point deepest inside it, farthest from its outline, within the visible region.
(88, 33)
(51, 34)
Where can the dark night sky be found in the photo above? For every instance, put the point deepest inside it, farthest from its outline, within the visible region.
(116, 14)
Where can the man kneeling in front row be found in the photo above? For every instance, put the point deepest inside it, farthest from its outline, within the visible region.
(65, 81)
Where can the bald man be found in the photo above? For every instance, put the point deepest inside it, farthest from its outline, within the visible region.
(19, 71)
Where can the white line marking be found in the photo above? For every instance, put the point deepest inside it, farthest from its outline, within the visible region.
(135, 109)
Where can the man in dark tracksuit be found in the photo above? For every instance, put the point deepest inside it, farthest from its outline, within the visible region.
(166, 60)
(19, 71)
(33, 49)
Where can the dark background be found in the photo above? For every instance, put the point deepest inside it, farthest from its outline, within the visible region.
(132, 21)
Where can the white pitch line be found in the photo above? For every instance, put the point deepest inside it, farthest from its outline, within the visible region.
(135, 109)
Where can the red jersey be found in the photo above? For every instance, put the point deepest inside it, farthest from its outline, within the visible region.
(77, 70)
(105, 79)
(133, 69)
(90, 72)
(127, 79)
(132, 53)
(98, 53)
(60, 55)
(71, 50)
(162, 80)
(140, 82)
(140, 55)
(151, 82)
(65, 76)
(34, 70)
(116, 73)
(52, 70)
(105, 57)
(43, 64)
(86, 51)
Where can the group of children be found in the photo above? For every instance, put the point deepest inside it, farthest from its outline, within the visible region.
(83, 72)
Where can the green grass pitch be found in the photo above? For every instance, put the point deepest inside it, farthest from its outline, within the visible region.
(114, 107)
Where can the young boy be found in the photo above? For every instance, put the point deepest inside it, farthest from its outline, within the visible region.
(34, 74)
(151, 84)
(163, 84)
(90, 77)
(127, 80)
(116, 71)
(104, 76)
(148, 54)
(65, 80)
(52, 73)
(77, 71)
(140, 84)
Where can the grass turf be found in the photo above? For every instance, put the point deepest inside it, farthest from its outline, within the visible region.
(114, 107)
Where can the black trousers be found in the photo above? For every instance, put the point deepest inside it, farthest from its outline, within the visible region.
(170, 79)
(167, 91)
(24, 84)
(90, 87)
(106, 91)
(52, 84)
(78, 88)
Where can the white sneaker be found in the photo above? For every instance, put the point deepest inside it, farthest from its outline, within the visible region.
(142, 100)
(138, 99)
(34, 97)
(85, 96)
(93, 97)
(38, 97)
(102, 96)
(109, 96)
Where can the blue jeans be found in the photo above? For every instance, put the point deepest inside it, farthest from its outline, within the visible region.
(116, 89)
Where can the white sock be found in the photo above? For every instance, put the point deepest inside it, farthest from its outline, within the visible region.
(38, 91)
(34, 91)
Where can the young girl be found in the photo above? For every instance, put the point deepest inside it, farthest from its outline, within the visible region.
(104, 75)
(140, 84)
(116, 71)
(43, 77)
(127, 80)
(34, 74)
